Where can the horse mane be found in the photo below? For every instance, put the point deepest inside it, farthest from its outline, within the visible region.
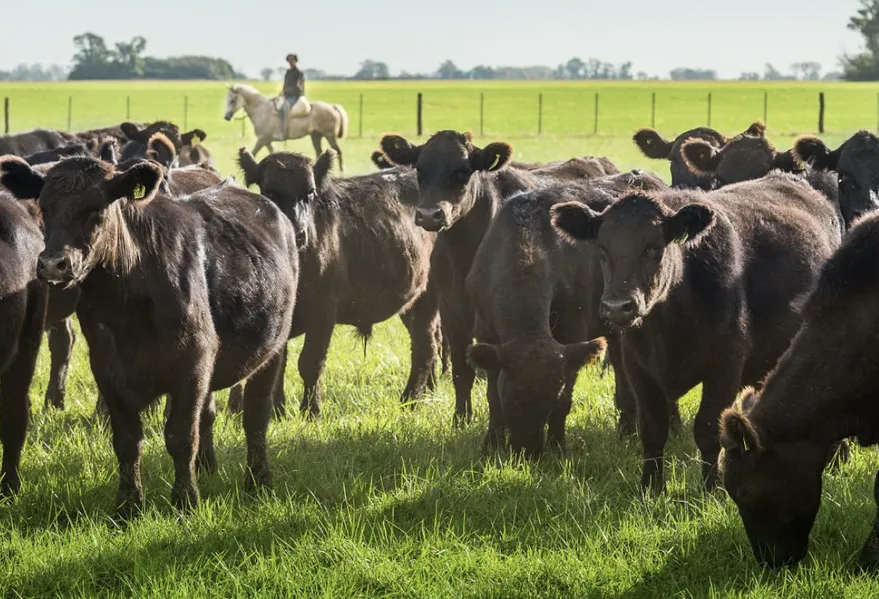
(247, 89)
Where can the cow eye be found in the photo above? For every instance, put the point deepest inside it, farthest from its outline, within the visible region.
(461, 176)
(311, 194)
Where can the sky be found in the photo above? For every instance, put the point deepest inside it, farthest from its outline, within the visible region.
(730, 36)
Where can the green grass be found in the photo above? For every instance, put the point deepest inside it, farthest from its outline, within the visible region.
(374, 501)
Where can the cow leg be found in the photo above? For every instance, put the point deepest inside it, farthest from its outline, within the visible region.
(206, 459)
(652, 426)
(331, 139)
(558, 418)
(61, 337)
(279, 399)
(14, 385)
(257, 414)
(496, 437)
(623, 397)
(182, 434)
(718, 393)
(312, 360)
(236, 398)
(868, 558)
(421, 320)
(463, 374)
(128, 446)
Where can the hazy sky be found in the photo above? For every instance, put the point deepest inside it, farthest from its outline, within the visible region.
(730, 36)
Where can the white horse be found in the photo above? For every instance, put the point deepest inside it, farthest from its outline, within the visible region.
(324, 120)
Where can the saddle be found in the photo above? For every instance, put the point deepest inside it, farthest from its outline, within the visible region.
(302, 107)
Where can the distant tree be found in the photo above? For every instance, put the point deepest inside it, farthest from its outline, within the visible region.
(574, 67)
(448, 70)
(750, 76)
(371, 69)
(129, 56)
(770, 73)
(864, 66)
(642, 76)
(481, 72)
(34, 72)
(688, 74)
(316, 74)
(806, 71)
(267, 74)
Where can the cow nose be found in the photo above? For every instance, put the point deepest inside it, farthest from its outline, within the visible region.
(429, 218)
(618, 309)
(52, 269)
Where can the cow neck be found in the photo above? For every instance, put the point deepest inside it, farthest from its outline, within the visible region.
(462, 239)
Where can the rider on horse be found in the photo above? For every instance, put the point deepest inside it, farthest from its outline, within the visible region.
(294, 88)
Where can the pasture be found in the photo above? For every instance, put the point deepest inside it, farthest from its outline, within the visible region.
(374, 501)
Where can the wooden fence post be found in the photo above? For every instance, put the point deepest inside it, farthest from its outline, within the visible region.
(821, 112)
(6, 115)
(419, 123)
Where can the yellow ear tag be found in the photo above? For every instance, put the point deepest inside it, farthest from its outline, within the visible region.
(139, 192)
(497, 159)
(682, 239)
(745, 444)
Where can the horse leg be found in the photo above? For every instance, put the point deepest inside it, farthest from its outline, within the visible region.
(271, 148)
(259, 146)
(335, 145)
(315, 141)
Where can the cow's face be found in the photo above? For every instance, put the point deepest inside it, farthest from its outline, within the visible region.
(777, 489)
(531, 377)
(639, 243)
(743, 158)
(292, 182)
(445, 166)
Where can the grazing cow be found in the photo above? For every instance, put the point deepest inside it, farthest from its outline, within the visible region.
(461, 189)
(537, 303)
(23, 301)
(22, 144)
(854, 165)
(363, 259)
(823, 389)
(654, 146)
(701, 287)
(177, 297)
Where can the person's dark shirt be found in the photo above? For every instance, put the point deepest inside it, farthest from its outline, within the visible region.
(294, 83)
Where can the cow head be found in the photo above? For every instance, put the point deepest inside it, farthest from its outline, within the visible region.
(76, 199)
(137, 145)
(447, 166)
(855, 163)
(776, 486)
(639, 243)
(292, 182)
(656, 147)
(531, 379)
(744, 158)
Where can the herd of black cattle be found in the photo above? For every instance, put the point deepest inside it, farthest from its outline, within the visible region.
(757, 269)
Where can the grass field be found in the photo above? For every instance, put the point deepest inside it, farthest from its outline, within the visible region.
(372, 501)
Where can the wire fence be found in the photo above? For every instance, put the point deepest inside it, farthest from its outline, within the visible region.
(559, 112)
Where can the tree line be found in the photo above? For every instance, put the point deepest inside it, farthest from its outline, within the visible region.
(128, 60)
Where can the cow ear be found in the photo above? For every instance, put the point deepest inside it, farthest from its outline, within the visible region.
(322, 168)
(139, 183)
(689, 224)
(161, 149)
(787, 162)
(485, 356)
(578, 355)
(757, 129)
(737, 432)
(248, 166)
(575, 221)
(130, 130)
(700, 156)
(193, 138)
(811, 150)
(652, 144)
(399, 150)
(108, 150)
(492, 157)
(20, 178)
(381, 161)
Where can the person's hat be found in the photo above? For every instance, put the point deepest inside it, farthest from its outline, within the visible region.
(293, 56)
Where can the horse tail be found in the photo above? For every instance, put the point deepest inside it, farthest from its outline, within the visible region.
(343, 122)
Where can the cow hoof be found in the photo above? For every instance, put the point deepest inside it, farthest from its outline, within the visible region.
(258, 480)
(184, 497)
(9, 486)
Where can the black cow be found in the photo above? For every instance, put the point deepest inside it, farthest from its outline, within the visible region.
(363, 259)
(461, 189)
(177, 297)
(22, 144)
(654, 146)
(824, 389)
(701, 286)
